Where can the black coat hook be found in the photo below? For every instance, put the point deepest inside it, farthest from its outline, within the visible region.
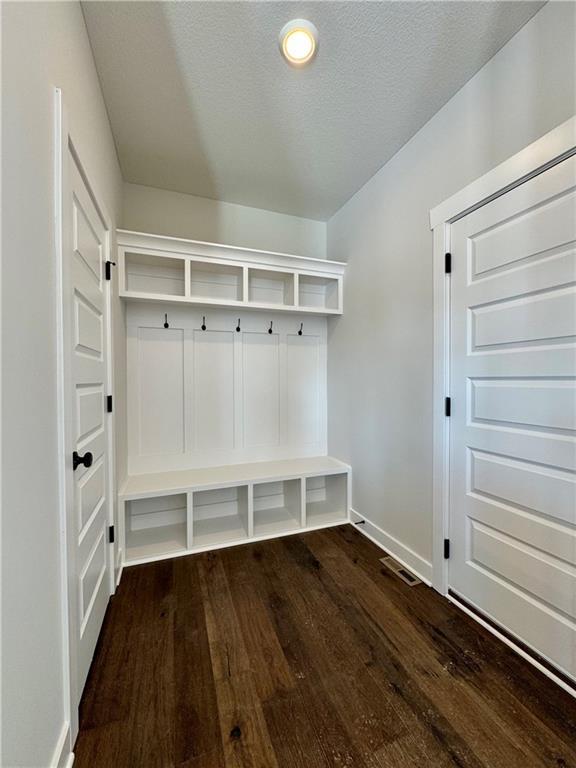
(203, 326)
(166, 323)
(238, 326)
(270, 329)
(301, 327)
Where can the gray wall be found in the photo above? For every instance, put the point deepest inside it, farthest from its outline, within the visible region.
(161, 212)
(380, 351)
(43, 45)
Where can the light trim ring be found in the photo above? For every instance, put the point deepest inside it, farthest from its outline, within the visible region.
(298, 42)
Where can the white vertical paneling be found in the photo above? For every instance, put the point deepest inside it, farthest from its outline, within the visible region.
(213, 393)
(161, 390)
(203, 398)
(303, 388)
(261, 389)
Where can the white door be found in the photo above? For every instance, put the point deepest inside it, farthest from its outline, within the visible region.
(513, 420)
(85, 338)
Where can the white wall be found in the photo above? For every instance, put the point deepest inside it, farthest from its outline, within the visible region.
(43, 45)
(161, 212)
(380, 351)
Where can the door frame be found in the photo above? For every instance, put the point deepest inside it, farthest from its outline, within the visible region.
(554, 147)
(63, 145)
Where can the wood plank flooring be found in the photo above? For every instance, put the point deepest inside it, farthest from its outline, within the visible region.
(305, 652)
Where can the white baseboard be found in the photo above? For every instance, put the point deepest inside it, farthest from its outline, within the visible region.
(63, 757)
(119, 565)
(414, 562)
(511, 644)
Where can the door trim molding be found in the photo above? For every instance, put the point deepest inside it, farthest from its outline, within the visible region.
(63, 144)
(551, 149)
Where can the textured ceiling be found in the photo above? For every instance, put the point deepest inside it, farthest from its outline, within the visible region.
(200, 100)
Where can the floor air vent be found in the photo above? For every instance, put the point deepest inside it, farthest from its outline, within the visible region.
(400, 571)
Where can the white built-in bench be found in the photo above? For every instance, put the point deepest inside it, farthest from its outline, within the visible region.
(166, 514)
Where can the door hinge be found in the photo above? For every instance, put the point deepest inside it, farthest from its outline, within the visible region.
(447, 406)
(108, 403)
(108, 269)
(111, 534)
(446, 549)
(448, 263)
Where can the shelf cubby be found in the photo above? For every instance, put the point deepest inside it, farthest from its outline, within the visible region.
(318, 292)
(216, 282)
(219, 516)
(326, 499)
(186, 511)
(156, 268)
(277, 507)
(158, 275)
(270, 287)
(155, 526)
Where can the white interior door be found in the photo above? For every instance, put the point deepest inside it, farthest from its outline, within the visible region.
(513, 421)
(85, 338)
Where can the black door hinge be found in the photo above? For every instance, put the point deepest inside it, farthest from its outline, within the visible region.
(447, 406)
(108, 269)
(111, 534)
(108, 403)
(448, 263)
(446, 549)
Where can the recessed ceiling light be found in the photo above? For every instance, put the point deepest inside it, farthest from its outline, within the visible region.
(299, 41)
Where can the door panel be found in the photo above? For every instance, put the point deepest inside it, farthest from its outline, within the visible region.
(513, 423)
(85, 351)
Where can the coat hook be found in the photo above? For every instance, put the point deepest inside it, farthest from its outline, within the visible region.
(238, 326)
(270, 329)
(203, 326)
(166, 323)
(301, 327)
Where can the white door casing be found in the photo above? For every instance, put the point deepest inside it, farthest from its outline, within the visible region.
(83, 244)
(513, 421)
(537, 158)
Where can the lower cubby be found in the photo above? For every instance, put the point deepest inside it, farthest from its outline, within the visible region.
(175, 513)
(326, 499)
(277, 507)
(155, 526)
(219, 516)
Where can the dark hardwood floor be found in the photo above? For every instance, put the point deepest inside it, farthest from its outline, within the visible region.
(306, 652)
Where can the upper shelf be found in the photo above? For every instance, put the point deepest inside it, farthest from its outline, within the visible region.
(158, 268)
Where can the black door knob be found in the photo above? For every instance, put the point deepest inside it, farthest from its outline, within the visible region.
(87, 459)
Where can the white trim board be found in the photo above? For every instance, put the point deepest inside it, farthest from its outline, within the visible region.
(552, 148)
(399, 551)
(62, 757)
(537, 157)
